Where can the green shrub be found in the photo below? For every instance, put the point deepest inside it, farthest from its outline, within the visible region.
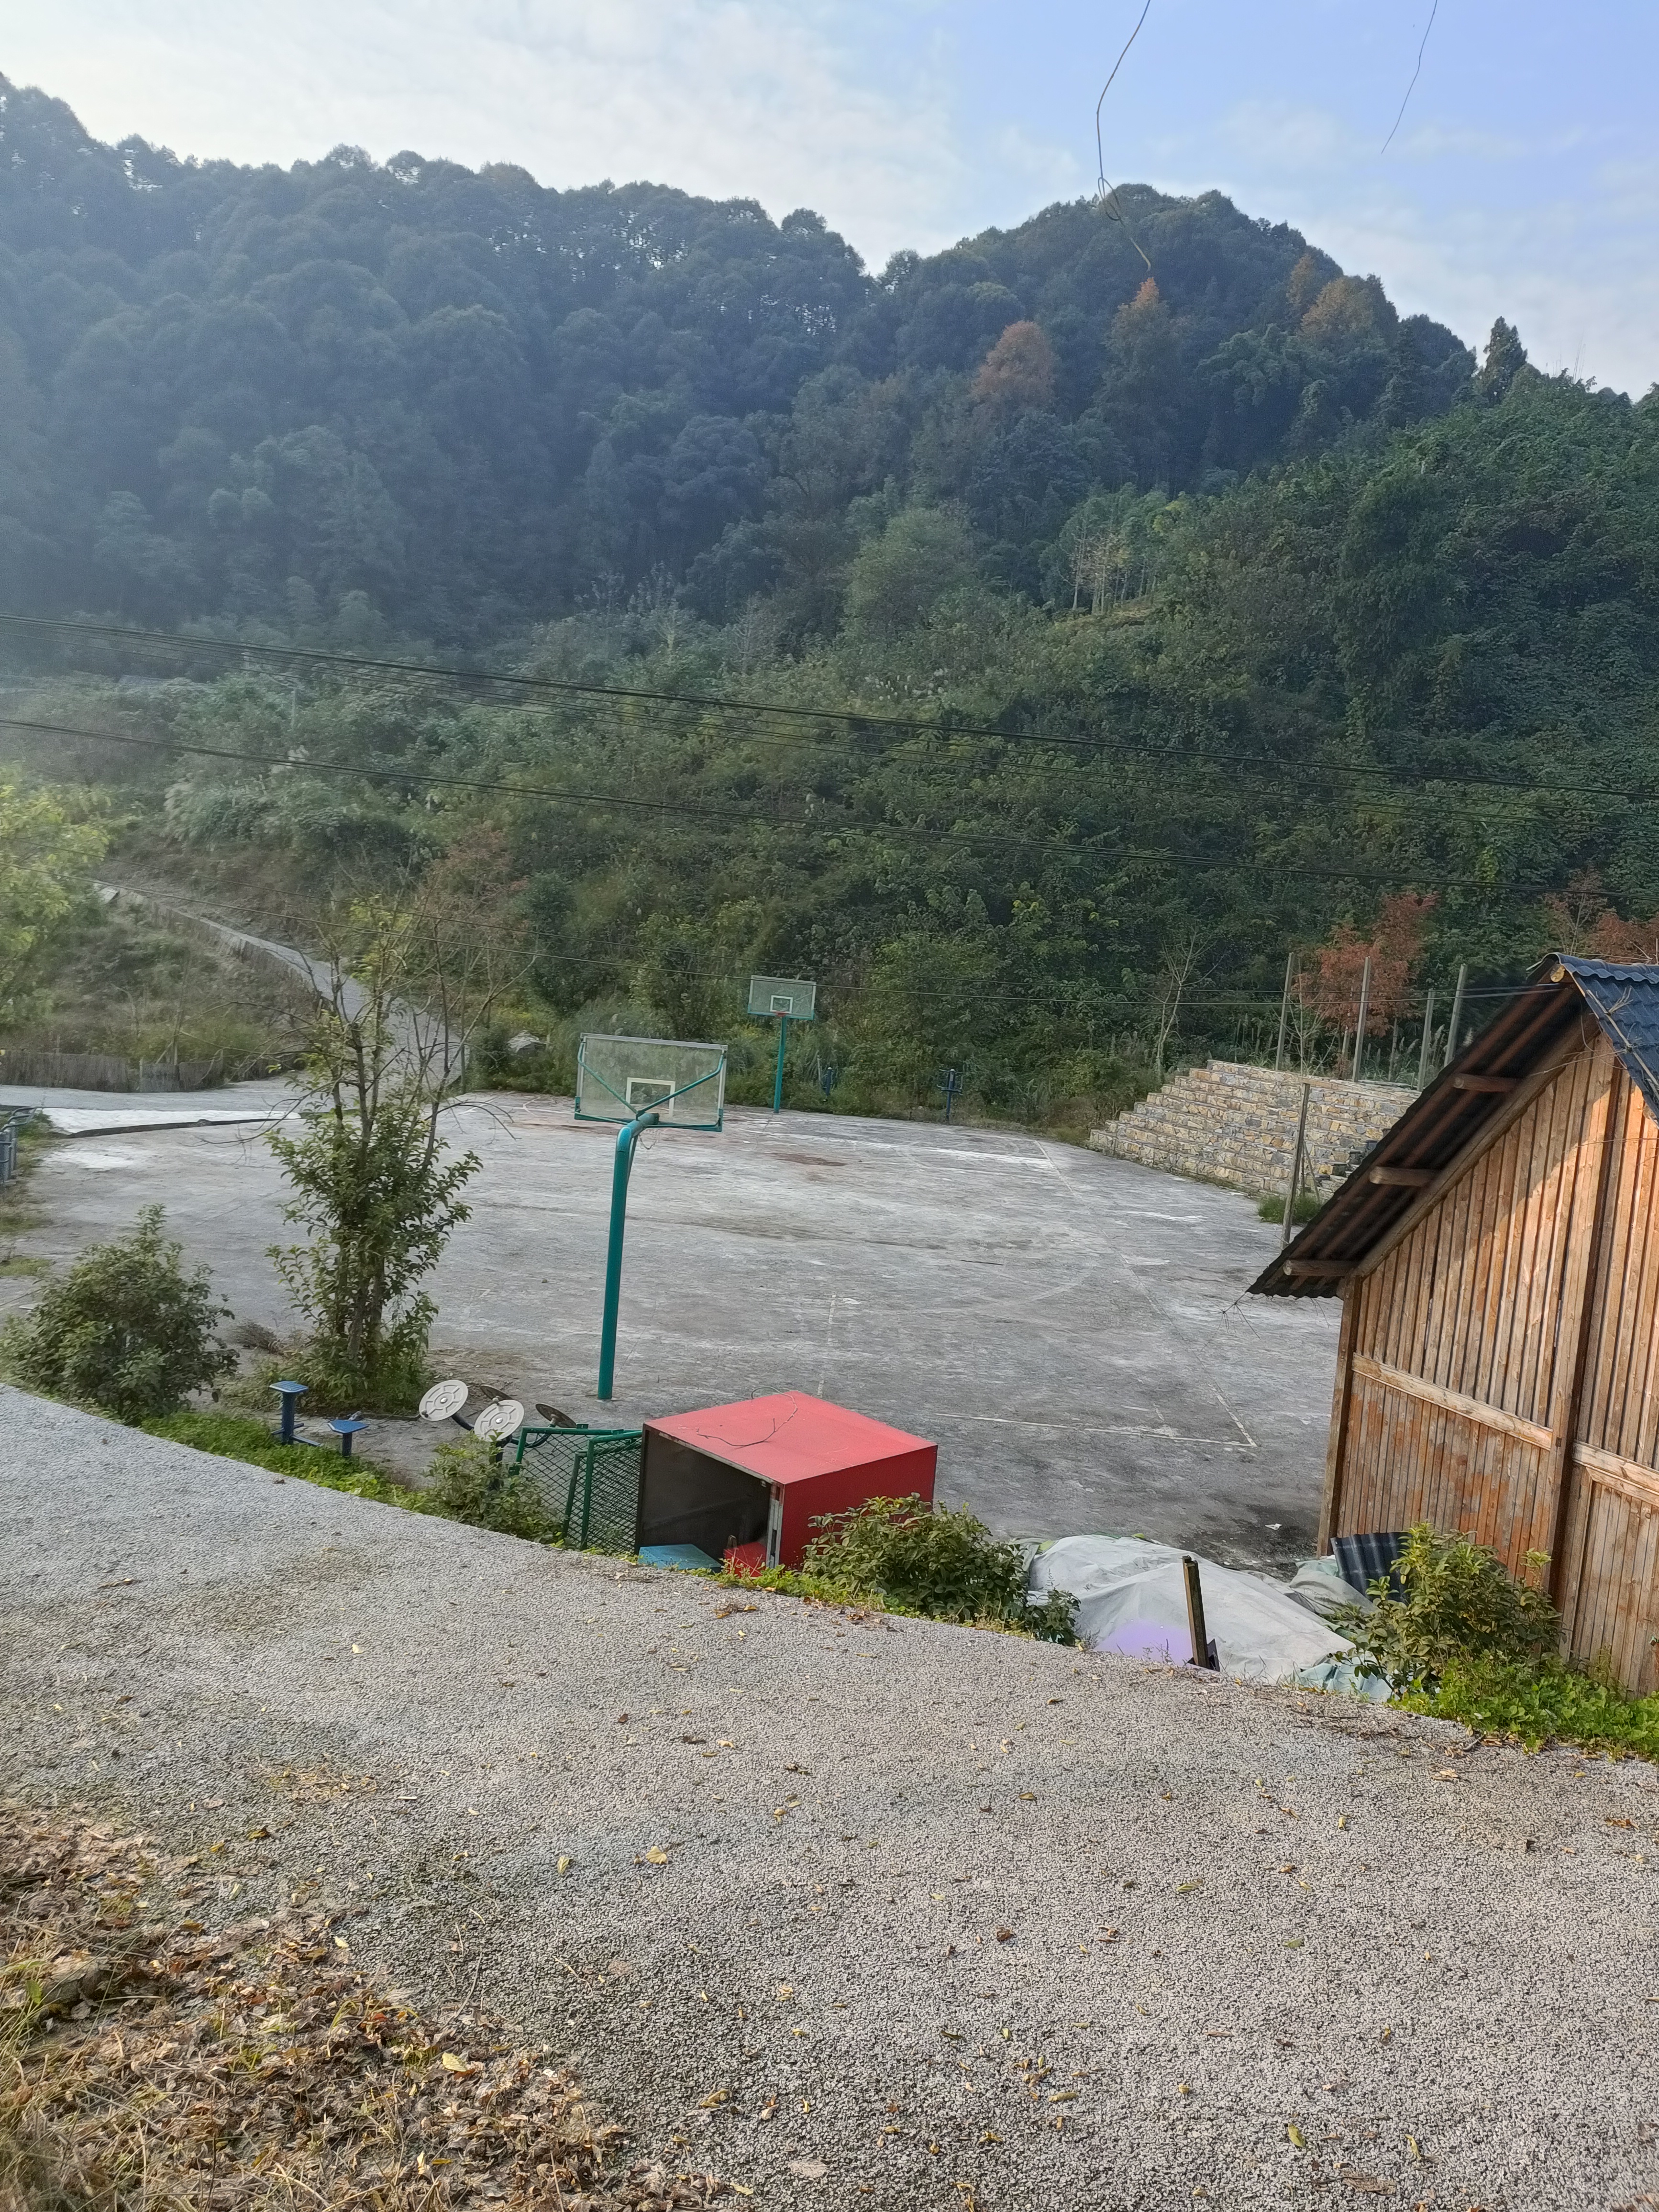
(942, 1562)
(231, 1436)
(471, 1484)
(125, 1330)
(1450, 1601)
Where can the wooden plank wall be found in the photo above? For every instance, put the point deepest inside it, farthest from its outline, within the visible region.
(1610, 1583)
(1502, 1376)
(1458, 1340)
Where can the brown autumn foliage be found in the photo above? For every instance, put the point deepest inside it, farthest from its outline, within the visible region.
(1018, 371)
(1582, 920)
(1393, 948)
(149, 2064)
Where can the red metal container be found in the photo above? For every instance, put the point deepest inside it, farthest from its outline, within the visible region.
(747, 1481)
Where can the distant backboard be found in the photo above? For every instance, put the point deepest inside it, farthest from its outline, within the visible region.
(619, 1078)
(783, 994)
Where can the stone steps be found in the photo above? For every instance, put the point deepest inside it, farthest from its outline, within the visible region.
(1230, 1123)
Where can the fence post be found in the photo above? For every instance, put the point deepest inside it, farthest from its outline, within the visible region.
(1428, 1034)
(1357, 1071)
(1295, 1185)
(1452, 1034)
(1284, 1010)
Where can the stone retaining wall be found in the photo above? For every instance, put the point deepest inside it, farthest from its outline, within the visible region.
(1230, 1123)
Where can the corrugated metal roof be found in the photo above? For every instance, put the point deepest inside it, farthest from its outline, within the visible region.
(1568, 999)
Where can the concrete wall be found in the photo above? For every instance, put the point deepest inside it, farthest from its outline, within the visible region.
(1228, 1123)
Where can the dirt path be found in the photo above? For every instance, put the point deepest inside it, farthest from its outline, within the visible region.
(955, 1917)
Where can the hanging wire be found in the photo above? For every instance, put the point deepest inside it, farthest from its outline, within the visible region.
(1416, 73)
(1108, 193)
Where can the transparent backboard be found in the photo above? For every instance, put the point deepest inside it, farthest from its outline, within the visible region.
(783, 994)
(619, 1078)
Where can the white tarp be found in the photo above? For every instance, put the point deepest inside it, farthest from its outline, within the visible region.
(1132, 1598)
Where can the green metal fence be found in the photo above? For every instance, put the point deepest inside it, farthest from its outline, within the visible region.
(590, 1478)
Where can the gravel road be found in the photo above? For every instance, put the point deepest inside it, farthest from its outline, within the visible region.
(859, 1912)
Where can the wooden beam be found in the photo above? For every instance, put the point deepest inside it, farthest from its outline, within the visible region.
(1453, 1402)
(1403, 1178)
(1336, 1449)
(1500, 1085)
(1605, 1133)
(1324, 1271)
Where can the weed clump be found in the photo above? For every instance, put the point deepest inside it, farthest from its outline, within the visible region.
(474, 1483)
(125, 1330)
(1459, 1637)
(942, 1562)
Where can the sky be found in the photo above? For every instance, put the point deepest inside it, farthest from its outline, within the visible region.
(1523, 180)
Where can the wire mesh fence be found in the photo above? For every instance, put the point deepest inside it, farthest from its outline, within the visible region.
(589, 1480)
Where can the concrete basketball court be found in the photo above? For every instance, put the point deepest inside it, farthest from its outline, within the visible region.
(1073, 1330)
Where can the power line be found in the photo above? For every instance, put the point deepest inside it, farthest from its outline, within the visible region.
(1416, 73)
(424, 778)
(854, 718)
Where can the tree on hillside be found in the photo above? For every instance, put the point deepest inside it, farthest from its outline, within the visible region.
(46, 859)
(1393, 947)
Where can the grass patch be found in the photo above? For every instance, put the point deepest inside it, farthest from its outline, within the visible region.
(234, 1436)
(147, 2060)
(1272, 1208)
(1533, 1703)
(24, 1263)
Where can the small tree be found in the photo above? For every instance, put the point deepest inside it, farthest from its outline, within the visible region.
(412, 977)
(125, 1330)
(933, 1560)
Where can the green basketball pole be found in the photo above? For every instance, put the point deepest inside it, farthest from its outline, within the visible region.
(777, 1087)
(626, 1138)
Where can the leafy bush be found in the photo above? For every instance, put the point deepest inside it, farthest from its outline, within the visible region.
(471, 1484)
(933, 1560)
(125, 1330)
(1450, 1602)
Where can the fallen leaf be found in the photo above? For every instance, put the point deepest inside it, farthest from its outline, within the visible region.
(565, 1865)
(1446, 1774)
(715, 2097)
(1069, 2096)
(1028, 1796)
(1182, 2089)
(1004, 1934)
(1613, 1822)
(786, 1990)
(453, 2065)
(654, 1857)
(1293, 2134)
(1182, 1887)
(258, 1835)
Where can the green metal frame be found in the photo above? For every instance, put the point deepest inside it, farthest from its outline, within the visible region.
(601, 1504)
(621, 1168)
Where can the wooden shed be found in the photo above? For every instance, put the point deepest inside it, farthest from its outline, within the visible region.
(1497, 1255)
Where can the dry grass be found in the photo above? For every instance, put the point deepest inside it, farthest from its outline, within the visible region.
(148, 2064)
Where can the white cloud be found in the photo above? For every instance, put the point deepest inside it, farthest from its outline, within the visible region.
(733, 98)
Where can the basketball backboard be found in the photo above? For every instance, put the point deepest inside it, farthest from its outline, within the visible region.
(783, 994)
(620, 1078)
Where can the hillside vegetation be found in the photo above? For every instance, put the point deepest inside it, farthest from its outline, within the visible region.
(1031, 647)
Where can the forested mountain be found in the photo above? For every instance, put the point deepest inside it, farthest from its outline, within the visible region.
(1032, 648)
(478, 402)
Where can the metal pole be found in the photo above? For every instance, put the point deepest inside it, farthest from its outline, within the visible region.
(621, 1168)
(783, 1039)
(1355, 1071)
(1284, 1010)
(1196, 1622)
(1296, 1167)
(1428, 1033)
(1452, 1034)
